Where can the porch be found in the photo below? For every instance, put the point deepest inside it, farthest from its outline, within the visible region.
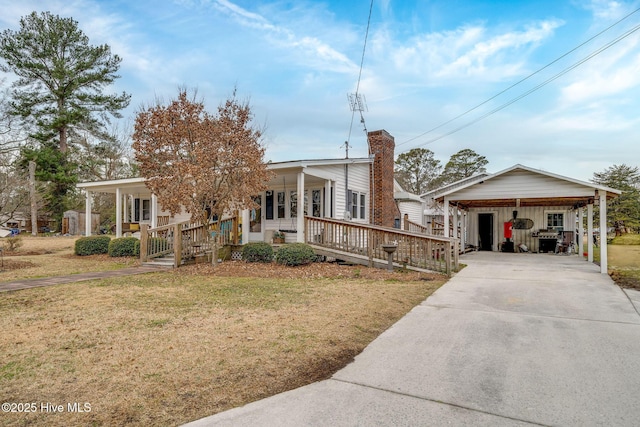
(357, 243)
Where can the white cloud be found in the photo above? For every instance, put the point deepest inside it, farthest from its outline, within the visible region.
(468, 51)
(311, 50)
(605, 9)
(611, 73)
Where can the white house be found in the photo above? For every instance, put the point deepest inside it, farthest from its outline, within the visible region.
(357, 189)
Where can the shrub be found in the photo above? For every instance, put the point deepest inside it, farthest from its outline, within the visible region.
(124, 246)
(92, 245)
(257, 252)
(12, 243)
(295, 254)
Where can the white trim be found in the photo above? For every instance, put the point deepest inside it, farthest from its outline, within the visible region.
(603, 232)
(532, 170)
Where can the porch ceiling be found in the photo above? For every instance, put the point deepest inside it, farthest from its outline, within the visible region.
(513, 202)
(289, 180)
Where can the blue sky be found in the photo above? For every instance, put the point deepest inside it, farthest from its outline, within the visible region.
(426, 62)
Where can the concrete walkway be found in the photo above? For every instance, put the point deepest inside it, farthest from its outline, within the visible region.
(80, 277)
(511, 340)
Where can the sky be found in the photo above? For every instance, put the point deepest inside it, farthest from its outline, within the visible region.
(544, 97)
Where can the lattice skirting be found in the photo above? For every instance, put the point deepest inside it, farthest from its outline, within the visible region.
(236, 255)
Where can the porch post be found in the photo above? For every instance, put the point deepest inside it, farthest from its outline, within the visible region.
(87, 216)
(603, 231)
(154, 211)
(463, 231)
(118, 212)
(328, 208)
(125, 205)
(580, 232)
(590, 232)
(456, 220)
(446, 217)
(246, 226)
(300, 218)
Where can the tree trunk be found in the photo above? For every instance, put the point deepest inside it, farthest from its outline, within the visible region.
(32, 195)
(63, 140)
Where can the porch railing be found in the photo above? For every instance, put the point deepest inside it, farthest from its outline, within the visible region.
(185, 240)
(413, 249)
(437, 228)
(414, 227)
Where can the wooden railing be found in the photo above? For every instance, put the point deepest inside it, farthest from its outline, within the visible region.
(413, 249)
(437, 228)
(414, 227)
(193, 239)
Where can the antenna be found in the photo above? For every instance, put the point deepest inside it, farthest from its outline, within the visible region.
(357, 102)
(346, 148)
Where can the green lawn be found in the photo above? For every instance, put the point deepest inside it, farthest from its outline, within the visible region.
(624, 260)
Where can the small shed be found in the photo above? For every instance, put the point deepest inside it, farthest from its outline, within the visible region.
(73, 222)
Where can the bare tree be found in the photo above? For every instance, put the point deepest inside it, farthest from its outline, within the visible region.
(207, 164)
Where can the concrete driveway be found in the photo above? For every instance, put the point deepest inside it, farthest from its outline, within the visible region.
(513, 339)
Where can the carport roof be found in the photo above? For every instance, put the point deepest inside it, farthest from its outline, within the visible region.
(524, 186)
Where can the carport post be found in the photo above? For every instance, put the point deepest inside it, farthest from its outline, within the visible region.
(580, 232)
(590, 232)
(603, 231)
(446, 217)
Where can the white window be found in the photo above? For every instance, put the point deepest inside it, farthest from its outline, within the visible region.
(316, 203)
(555, 220)
(141, 213)
(357, 204)
(281, 204)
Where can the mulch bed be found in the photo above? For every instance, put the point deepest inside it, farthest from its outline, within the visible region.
(625, 281)
(11, 264)
(314, 270)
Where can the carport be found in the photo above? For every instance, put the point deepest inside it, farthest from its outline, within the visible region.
(534, 205)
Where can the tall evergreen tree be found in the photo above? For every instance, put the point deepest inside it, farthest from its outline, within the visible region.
(417, 170)
(463, 164)
(59, 91)
(625, 208)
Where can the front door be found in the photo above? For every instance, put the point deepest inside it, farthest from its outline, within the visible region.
(485, 231)
(256, 228)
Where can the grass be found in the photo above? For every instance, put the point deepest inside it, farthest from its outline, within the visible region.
(53, 256)
(624, 261)
(166, 348)
(623, 257)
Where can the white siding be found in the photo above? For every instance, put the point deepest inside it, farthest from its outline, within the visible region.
(413, 209)
(358, 177)
(522, 184)
(501, 215)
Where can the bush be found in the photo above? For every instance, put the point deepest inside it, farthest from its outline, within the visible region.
(124, 246)
(257, 252)
(92, 245)
(295, 254)
(12, 243)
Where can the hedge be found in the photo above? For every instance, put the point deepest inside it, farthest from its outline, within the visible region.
(295, 254)
(257, 252)
(92, 245)
(124, 246)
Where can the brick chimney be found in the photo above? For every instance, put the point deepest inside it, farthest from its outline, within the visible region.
(383, 209)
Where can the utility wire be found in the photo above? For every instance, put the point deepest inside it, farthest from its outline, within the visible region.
(515, 84)
(364, 48)
(530, 91)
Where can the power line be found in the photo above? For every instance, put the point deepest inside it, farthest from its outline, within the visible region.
(357, 94)
(530, 91)
(514, 85)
